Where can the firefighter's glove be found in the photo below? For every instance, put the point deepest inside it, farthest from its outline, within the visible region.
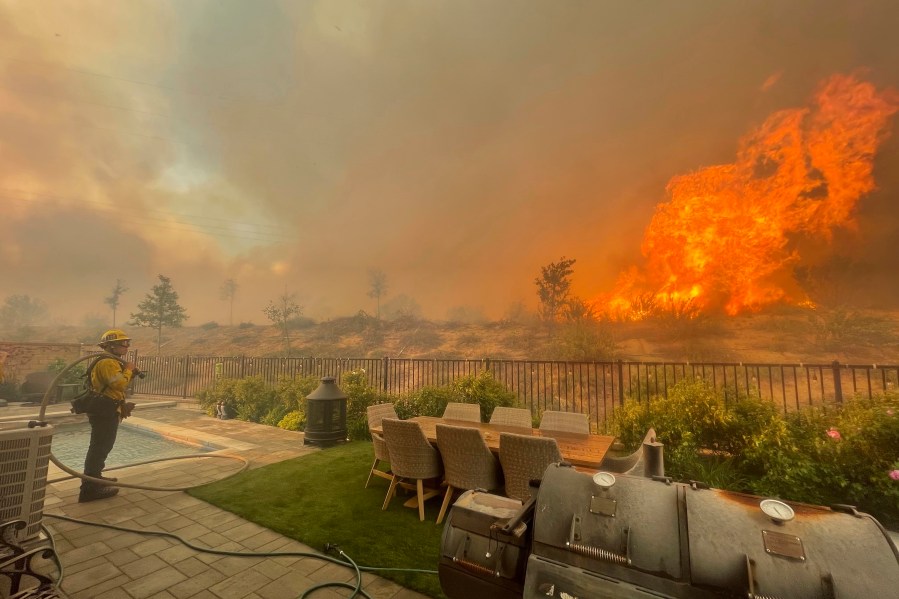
(127, 407)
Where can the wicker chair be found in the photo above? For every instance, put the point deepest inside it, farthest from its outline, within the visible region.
(467, 462)
(376, 413)
(470, 412)
(520, 417)
(565, 422)
(411, 458)
(646, 461)
(525, 458)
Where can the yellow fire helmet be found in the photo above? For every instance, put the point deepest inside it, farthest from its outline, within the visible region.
(113, 335)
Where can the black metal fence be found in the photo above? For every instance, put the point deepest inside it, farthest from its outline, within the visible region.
(593, 388)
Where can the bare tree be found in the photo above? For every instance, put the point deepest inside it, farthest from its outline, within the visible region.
(228, 291)
(113, 300)
(377, 281)
(281, 312)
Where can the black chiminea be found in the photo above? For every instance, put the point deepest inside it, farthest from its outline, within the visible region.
(325, 415)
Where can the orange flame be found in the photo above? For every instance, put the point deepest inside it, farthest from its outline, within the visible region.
(727, 237)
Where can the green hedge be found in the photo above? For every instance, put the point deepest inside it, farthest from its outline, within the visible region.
(284, 405)
(842, 454)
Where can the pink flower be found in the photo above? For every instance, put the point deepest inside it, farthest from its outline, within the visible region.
(894, 474)
(890, 411)
(834, 434)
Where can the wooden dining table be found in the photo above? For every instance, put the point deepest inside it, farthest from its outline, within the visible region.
(581, 450)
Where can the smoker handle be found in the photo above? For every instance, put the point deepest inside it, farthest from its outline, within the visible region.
(524, 513)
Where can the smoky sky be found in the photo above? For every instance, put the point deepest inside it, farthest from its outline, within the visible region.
(455, 146)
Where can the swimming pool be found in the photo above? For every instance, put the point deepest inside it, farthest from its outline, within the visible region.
(132, 445)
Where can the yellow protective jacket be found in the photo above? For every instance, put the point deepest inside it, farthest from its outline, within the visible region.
(110, 378)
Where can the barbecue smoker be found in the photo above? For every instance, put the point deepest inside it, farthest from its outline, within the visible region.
(626, 537)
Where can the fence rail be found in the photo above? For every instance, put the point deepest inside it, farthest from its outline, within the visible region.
(593, 388)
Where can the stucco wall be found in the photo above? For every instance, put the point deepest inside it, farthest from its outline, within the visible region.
(23, 358)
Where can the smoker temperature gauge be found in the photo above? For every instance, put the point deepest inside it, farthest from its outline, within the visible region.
(777, 510)
(604, 480)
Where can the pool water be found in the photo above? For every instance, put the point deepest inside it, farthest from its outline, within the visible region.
(132, 445)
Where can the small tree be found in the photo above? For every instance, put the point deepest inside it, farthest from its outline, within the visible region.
(280, 314)
(554, 287)
(377, 281)
(21, 311)
(228, 291)
(113, 300)
(159, 309)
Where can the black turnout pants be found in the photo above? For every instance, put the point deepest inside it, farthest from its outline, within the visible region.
(104, 427)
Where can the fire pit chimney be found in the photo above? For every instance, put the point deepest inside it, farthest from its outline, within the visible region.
(326, 414)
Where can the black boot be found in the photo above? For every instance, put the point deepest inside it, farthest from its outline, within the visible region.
(93, 493)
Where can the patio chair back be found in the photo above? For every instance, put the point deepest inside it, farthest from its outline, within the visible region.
(412, 458)
(467, 462)
(470, 412)
(525, 458)
(565, 422)
(520, 417)
(376, 413)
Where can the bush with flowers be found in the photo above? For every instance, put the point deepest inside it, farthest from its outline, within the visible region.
(846, 454)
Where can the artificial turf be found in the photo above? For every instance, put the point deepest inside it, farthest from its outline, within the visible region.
(320, 498)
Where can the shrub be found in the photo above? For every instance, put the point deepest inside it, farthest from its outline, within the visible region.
(206, 326)
(9, 390)
(246, 325)
(427, 401)
(75, 375)
(842, 455)
(480, 388)
(254, 400)
(249, 398)
(291, 393)
(821, 456)
(692, 410)
(293, 421)
(484, 390)
(359, 396)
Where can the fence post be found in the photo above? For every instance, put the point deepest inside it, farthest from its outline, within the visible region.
(837, 382)
(620, 383)
(241, 367)
(186, 373)
(385, 368)
(135, 380)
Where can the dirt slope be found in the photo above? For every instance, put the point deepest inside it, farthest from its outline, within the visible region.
(777, 338)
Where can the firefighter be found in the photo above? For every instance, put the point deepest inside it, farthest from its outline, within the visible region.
(109, 378)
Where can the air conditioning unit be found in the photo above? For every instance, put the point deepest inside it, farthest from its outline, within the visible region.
(24, 461)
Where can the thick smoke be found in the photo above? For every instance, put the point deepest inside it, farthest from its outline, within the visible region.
(456, 146)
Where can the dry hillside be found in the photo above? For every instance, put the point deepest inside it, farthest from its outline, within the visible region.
(785, 337)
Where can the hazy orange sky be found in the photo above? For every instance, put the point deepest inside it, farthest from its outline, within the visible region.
(457, 146)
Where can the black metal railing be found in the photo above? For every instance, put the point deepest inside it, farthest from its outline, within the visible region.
(593, 388)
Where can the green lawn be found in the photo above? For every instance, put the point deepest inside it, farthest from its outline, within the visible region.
(319, 499)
